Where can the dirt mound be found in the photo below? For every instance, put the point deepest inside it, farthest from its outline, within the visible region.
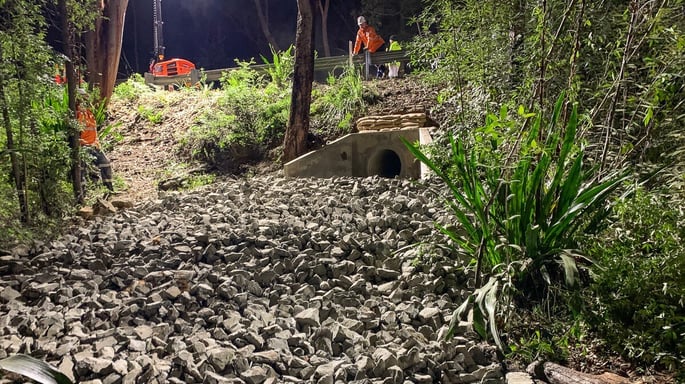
(147, 132)
(144, 148)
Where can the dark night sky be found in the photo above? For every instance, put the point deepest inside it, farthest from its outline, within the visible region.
(212, 33)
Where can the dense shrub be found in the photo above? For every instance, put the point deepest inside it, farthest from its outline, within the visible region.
(517, 207)
(638, 294)
(335, 104)
(250, 118)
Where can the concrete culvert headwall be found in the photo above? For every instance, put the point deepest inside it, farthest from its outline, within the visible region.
(384, 163)
(376, 150)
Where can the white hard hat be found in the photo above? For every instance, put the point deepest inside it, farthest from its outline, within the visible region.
(361, 20)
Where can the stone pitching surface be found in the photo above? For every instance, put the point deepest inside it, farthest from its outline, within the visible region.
(258, 280)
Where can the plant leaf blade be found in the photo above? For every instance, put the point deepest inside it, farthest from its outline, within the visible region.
(34, 369)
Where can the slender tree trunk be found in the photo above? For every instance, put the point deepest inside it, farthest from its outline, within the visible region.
(324, 5)
(43, 177)
(103, 46)
(295, 142)
(571, 85)
(540, 89)
(16, 173)
(516, 38)
(23, 165)
(67, 41)
(136, 59)
(633, 7)
(262, 14)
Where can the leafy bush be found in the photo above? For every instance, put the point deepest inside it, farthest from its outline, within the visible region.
(251, 118)
(638, 293)
(518, 209)
(132, 88)
(150, 114)
(335, 106)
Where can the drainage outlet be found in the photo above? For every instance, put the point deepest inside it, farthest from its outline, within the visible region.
(384, 163)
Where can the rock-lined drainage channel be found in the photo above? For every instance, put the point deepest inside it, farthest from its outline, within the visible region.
(263, 280)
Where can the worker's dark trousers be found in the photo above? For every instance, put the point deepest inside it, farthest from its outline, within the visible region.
(102, 162)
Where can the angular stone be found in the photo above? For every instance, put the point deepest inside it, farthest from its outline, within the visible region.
(8, 294)
(254, 375)
(143, 332)
(221, 357)
(308, 317)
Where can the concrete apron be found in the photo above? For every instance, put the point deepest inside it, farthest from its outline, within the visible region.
(364, 154)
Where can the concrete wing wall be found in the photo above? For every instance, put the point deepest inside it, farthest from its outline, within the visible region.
(370, 153)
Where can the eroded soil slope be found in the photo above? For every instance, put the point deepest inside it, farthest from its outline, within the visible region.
(150, 127)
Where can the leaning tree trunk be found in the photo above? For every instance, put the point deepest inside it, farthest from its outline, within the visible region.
(103, 46)
(295, 142)
(262, 15)
(324, 5)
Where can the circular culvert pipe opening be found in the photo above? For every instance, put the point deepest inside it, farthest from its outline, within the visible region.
(385, 163)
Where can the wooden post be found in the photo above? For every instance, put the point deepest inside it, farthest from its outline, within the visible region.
(194, 76)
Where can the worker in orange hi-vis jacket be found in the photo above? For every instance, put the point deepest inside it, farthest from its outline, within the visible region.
(368, 36)
(89, 140)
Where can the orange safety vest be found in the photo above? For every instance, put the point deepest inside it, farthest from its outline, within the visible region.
(89, 134)
(367, 35)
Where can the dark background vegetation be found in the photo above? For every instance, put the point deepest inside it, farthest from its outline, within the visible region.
(212, 33)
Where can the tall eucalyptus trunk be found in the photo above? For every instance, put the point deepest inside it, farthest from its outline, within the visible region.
(103, 46)
(295, 142)
(324, 6)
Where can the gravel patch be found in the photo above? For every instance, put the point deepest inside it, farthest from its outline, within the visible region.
(260, 280)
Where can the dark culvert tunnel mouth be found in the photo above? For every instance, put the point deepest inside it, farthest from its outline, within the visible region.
(385, 163)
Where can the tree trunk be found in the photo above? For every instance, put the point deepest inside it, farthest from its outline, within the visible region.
(103, 46)
(295, 142)
(517, 36)
(16, 174)
(264, 24)
(67, 41)
(324, 5)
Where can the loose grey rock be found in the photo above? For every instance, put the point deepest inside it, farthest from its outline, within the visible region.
(259, 280)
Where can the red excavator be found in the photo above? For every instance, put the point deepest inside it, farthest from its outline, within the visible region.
(159, 66)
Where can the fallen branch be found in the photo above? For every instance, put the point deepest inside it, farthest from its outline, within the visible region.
(557, 374)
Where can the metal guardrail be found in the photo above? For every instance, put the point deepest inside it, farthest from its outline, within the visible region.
(320, 64)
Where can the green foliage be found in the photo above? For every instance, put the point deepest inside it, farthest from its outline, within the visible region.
(281, 68)
(469, 43)
(517, 215)
(622, 61)
(196, 181)
(132, 88)
(151, 114)
(34, 154)
(637, 299)
(335, 106)
(251, 118)
(534, 347)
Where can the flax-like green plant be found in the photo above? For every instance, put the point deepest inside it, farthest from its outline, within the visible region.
(516, 216)
(282, 67)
